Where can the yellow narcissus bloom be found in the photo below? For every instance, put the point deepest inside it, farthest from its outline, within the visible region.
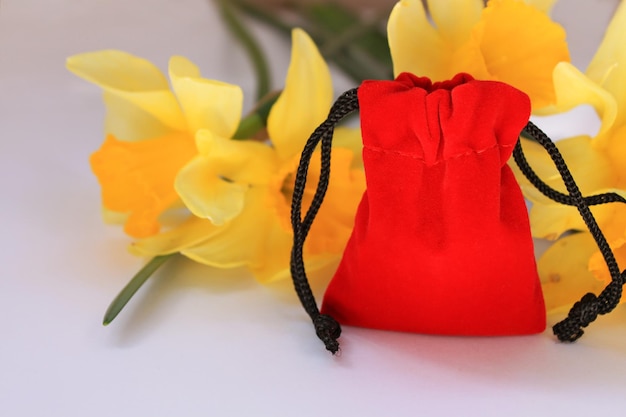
(508, 40)
(240, 191)
(598, 165)
(150, 130)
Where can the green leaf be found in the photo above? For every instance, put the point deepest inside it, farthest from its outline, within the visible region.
(131, 288)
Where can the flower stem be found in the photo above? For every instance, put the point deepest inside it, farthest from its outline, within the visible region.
(133, 285)
(261, 15)
(358, 48)
(251, 46)
(257, 119)
(348, 29)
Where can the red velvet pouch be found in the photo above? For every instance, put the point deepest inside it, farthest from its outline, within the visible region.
(441, 242)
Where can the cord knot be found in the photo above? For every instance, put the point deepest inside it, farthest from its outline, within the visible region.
(581, 315)
(328, 330)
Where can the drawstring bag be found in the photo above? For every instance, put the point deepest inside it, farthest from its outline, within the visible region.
(441, 242)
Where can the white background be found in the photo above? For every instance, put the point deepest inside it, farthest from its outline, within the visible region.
(198, 341)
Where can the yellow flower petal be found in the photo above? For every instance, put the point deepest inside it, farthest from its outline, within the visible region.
(510, 42)
(615, 233)
(261, 237)
(207, 104)
(608, 66)
(543, 166)
(350, 139)
(246, 239)
(550, 221)
(213, 184)
(138, 178)
(118, 70)
(255, 239)
(335, 219)
(415, 44)
(240, 161)
(597, 264)
(113, 217)
(188, 234)
(454, 19)
(208, 195)
(333, 224)
(305, 101)
(133, 79)
(563, 271)
(520, 46)
(277, 268)
(127, 122)
(276, 258)
(591, 168)
(592, 172)
(573, 89)
(614, 143)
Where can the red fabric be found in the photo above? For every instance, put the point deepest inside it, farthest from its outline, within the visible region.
(441, 242)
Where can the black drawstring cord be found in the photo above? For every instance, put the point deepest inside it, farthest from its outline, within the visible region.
(587, 309)
(561, 198)
(326, 327)
(570, 329)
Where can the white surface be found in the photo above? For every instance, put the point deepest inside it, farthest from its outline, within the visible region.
(198, 341)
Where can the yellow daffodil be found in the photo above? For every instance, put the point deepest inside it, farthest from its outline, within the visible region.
(598, 165)
(240, 191)
(150, 130)
(508, 40)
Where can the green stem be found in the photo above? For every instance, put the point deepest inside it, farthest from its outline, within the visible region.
(250, 45)
(361, 54)
(357, 71)
(344, 39)
(133, 285)
(249, 126)
(257, 119)
(262, 16)
(359, 48)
